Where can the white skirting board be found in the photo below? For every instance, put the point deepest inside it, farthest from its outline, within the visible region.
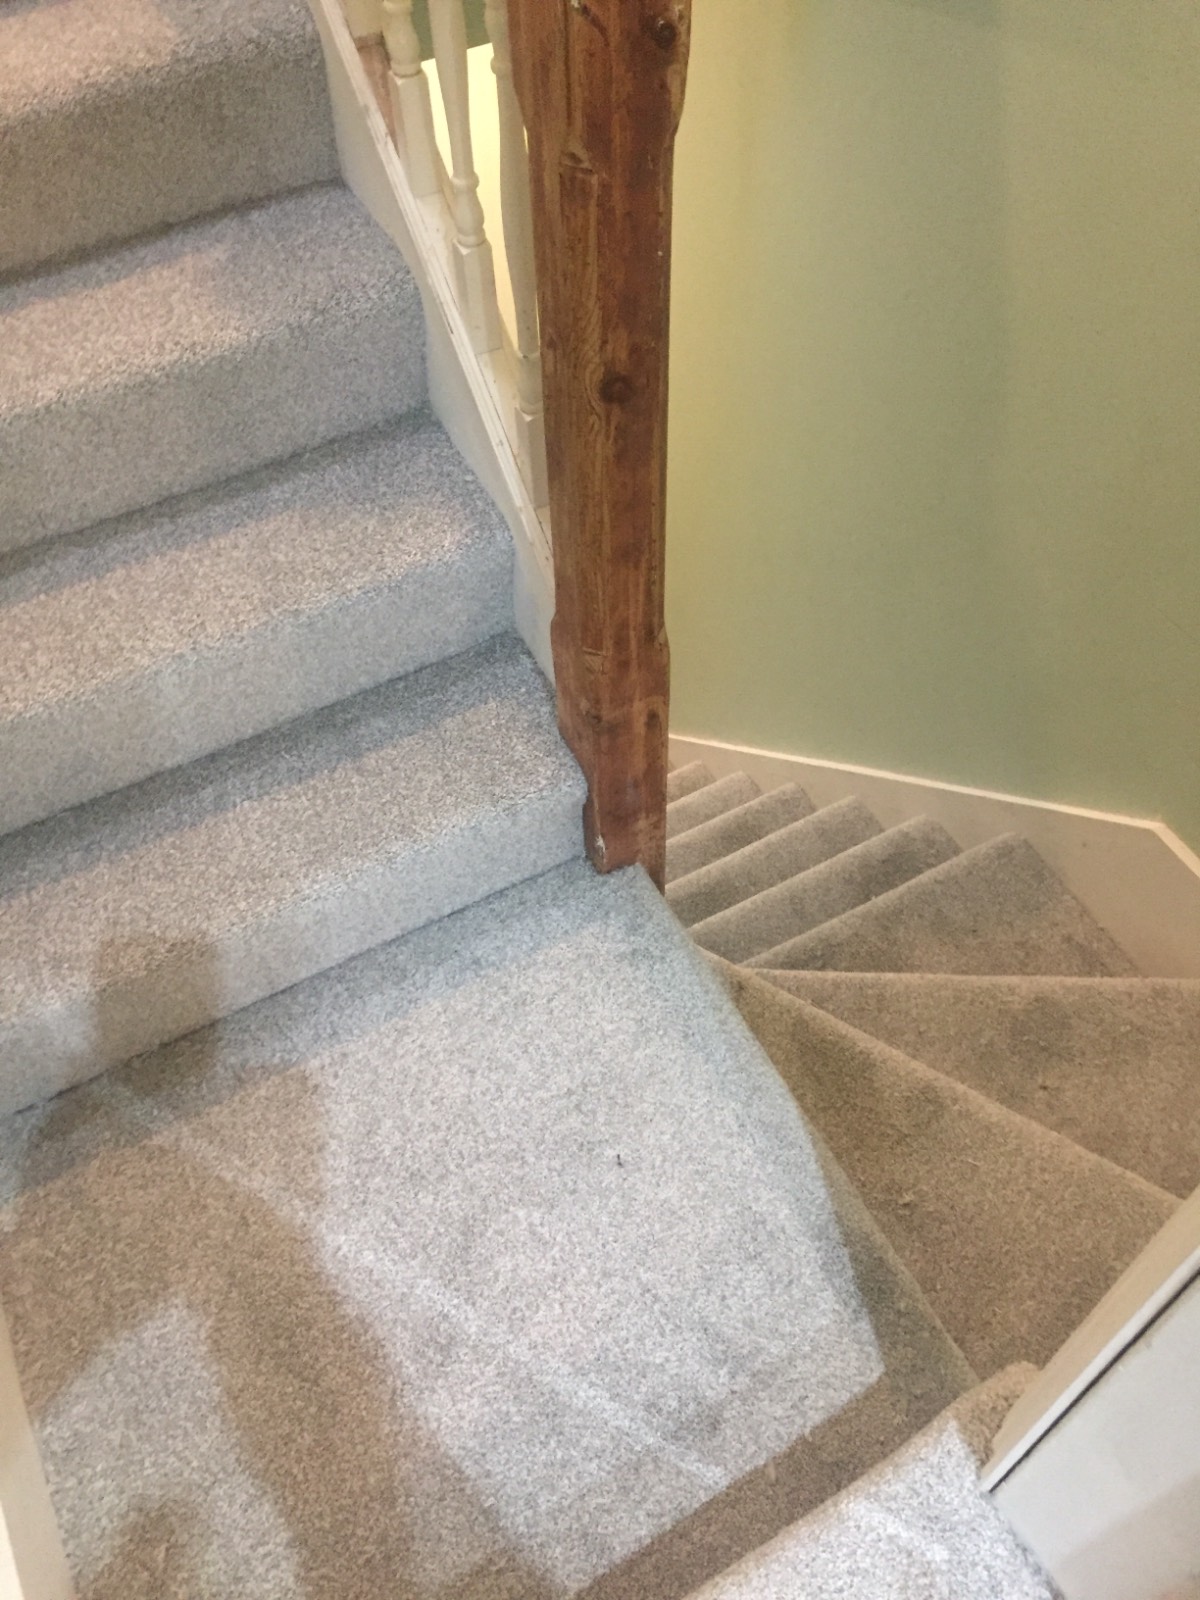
(32, 1563)
(460, 392)
(1137, 878)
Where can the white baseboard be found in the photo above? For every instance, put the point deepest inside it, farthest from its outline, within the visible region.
(32, 1563)
(1137, 878)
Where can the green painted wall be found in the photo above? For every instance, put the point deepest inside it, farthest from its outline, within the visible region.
(935, 420)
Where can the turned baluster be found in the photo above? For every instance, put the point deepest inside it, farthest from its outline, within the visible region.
(517, 220)
(472, 253)
(410, 98)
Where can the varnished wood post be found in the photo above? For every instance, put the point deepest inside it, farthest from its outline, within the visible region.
(601, 89)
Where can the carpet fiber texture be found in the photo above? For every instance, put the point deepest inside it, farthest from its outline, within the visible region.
(216, 348)
(1014, 1232)
(918, 1528)
(389, 1206)
(145, 643)
(472, 1266)
(117, 120)
(147, 913)
(1019, 1113)
(1112, 1063)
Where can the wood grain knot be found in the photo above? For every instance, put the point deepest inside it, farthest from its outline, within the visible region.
(616, 388)
(664, 32)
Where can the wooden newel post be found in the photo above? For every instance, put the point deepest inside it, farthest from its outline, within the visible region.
(601, 88)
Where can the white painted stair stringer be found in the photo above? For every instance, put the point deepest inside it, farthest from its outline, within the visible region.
(463, 388)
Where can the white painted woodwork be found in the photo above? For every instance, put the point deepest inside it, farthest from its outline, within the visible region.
(516, 212)
(471, 395)
(365, 18)
(1109, 1500)
(1143, 1291)
(471, 252)
(32, 1563)
(1137, 878)
(410, 99)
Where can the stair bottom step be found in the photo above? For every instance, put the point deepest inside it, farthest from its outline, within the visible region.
(919, 1526)
(471, 1267)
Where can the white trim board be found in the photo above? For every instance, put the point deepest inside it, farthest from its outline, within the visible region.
(1156, 1277)
(32, 1563)
(1109, 1500)
(1137, 878)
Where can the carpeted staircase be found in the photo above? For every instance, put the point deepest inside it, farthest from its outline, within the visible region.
(1018, 1109)
(388, 1205)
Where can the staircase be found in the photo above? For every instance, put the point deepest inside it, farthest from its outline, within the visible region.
(388, 1205)
(1019, 1110)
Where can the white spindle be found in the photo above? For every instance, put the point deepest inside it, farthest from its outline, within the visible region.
(517, 217)
(410, 98)
(472, 252)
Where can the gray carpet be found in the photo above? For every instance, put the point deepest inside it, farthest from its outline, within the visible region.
(686, 780)
(995, 909)
(708, 842)
(146, 643)
(763, 922)
(496, 1261)
(1112, 1063)
(213, 349)
(918, 1528)
(1012, 1231)
(468, 1268)
(141, 915)
(118, 119)
(749, 865)
(712, 800)
(1019, 1113)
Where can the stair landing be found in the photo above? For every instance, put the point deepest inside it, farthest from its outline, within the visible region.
(469, 1267)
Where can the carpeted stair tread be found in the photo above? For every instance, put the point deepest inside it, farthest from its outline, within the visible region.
(130, 920)
(1013, 1232)
(687, 779)
(471, 1267)
(996, 908)
(153, 640)
(707, 844)
(850, 878)
(117, 120)
(919, 1527)
(923, 1372)
(713, 800)
(1112, 1063)
(218, 348)
(783, 855)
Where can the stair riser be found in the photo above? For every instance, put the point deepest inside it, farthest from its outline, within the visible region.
(198, 977)
(758, 867)
(705, 846)
(197, 423)
(997, 909)
(750, 932)
(713, 800)
(686, 780)
(160, 149)
(129, 730)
